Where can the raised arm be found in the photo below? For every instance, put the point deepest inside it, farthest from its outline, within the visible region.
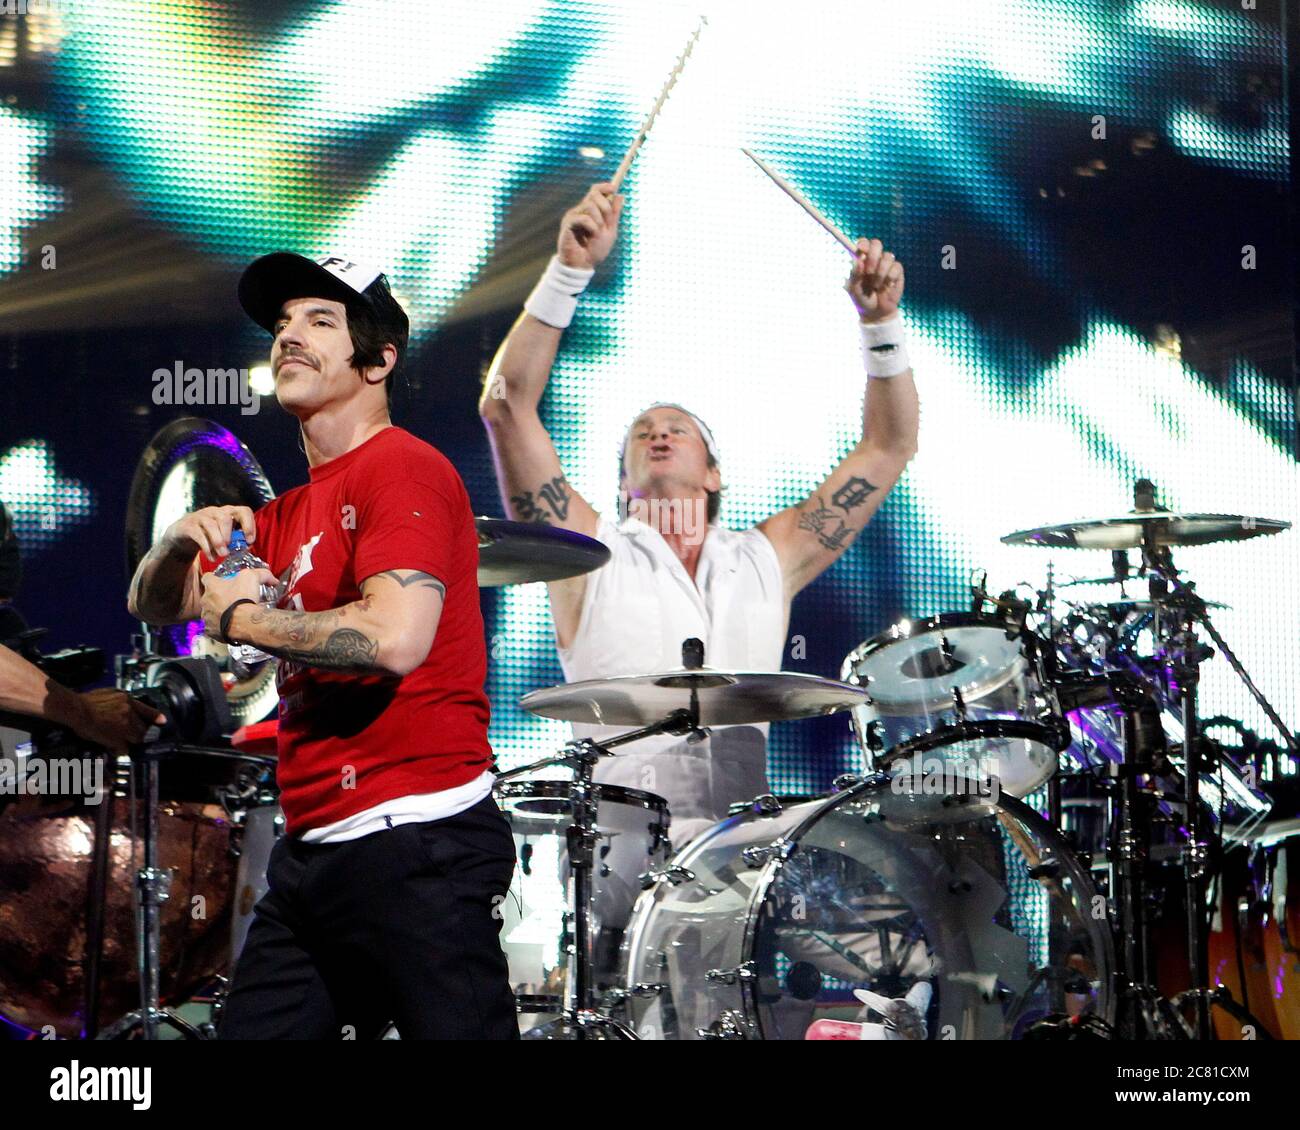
(810, 537)
(529, 476)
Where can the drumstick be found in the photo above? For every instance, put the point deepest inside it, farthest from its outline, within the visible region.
(639, 140)
(803, 201)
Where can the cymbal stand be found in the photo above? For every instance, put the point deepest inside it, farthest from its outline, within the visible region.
(580, 1019)
(1183, 654)
(152, 886)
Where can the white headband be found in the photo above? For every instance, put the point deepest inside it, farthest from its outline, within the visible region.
(709, 442)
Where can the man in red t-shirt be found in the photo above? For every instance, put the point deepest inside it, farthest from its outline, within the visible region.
(383, 897)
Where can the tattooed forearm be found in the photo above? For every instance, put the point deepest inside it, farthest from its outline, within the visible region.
(317, 639)
(552, 499)
(157, 593)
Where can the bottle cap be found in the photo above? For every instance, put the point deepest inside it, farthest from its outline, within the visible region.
(238, 543)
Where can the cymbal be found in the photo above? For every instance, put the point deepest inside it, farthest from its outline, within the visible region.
(1125, 531)
(191, 463)
(516, 553)
(726, 698)
(1129, 606)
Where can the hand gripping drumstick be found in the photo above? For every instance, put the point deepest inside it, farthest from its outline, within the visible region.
(803, 201)
(630, 155)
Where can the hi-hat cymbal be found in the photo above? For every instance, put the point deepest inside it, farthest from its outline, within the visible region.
(726, 698)
(1126, 531)
(515, 553)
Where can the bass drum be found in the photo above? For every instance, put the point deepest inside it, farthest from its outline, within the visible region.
(786, 923)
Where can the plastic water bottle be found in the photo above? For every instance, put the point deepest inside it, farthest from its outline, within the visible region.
(244, 656)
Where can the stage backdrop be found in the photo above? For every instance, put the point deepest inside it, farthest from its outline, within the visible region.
(1090, 198)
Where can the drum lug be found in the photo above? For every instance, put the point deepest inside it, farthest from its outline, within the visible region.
(766, 805)
(756, 857)
(673, 875)
(738, 974)
(731, 1025)
(641, 990)
(1049, 868)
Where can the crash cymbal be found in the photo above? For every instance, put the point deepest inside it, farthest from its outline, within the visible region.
(726, 698)
(515, 553)
(1126, 531)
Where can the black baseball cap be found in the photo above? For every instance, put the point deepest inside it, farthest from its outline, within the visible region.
(269, 282)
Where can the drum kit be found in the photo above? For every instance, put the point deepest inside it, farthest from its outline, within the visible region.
(1033, 781)
(1035, 784)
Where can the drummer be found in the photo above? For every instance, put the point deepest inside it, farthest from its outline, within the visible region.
(675, 572)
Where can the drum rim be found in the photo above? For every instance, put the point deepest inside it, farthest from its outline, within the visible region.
(924, 626)
(562, 790)
(1055, 844)
(1056, 738)
(1045, 735)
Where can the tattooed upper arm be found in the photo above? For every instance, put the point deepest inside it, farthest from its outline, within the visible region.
(810, 537)
(408, 578)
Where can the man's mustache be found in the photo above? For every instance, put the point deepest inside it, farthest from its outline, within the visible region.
(295, 355)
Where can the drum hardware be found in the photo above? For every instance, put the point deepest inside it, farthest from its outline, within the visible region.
(736, 975)
(1172, 677)
(153, 888)
(639, 992)
(757, 857)
(731, 1025)
(674, 875)
(580, 1018)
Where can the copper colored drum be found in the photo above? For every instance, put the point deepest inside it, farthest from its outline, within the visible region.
(45, 870)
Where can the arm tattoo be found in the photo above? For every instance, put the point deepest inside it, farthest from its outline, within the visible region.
(832, 531)
(166, 593)
(853, 493)
(554, 496)
(315, 638)
(420, 580)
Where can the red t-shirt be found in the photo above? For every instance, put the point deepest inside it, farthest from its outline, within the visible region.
(348, 741)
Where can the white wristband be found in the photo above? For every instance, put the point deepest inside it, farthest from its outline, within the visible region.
(884, 348)
(555, 297)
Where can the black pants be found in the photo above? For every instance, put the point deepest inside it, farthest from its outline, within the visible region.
(399, 926)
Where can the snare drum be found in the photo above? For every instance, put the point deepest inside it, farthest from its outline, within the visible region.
(962, 693)
(632, 830)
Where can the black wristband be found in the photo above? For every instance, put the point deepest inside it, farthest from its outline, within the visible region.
(223, 627)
